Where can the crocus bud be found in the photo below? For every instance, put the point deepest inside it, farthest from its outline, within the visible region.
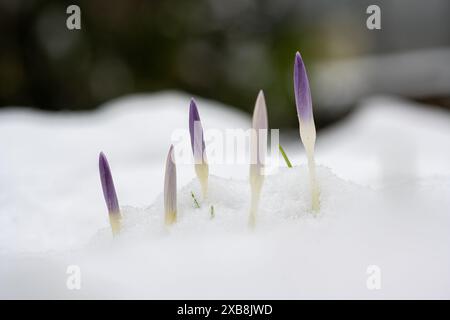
(306, 120)
(109, 192)
(258, 149)
(304, 104)
(170, 189)
(198, 147)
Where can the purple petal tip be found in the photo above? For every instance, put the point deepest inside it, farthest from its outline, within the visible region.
(301, 89)
(109, 192)
(193, 113)
(171, 153)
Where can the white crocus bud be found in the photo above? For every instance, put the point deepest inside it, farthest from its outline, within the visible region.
(258, 149)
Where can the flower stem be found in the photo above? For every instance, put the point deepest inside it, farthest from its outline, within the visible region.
(202, 171)
(315, 192)
(256, 185)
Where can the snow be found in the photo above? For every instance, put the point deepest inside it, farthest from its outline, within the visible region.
(49, 182)
(384, 180)
(387, 141)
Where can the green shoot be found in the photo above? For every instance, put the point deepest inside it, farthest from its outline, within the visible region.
(289, 164)
(195, 200)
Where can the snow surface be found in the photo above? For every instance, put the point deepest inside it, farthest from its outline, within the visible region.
(385, 186)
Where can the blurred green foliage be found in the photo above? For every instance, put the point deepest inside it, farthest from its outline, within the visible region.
(226, 50)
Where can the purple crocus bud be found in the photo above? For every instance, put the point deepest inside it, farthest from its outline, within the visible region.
(302, 90)
(304, 106)
(109, 192)
(196, 133)
(170, 189)
(307, 127)
(198, 147)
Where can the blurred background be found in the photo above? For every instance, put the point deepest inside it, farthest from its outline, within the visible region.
(224, 50)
